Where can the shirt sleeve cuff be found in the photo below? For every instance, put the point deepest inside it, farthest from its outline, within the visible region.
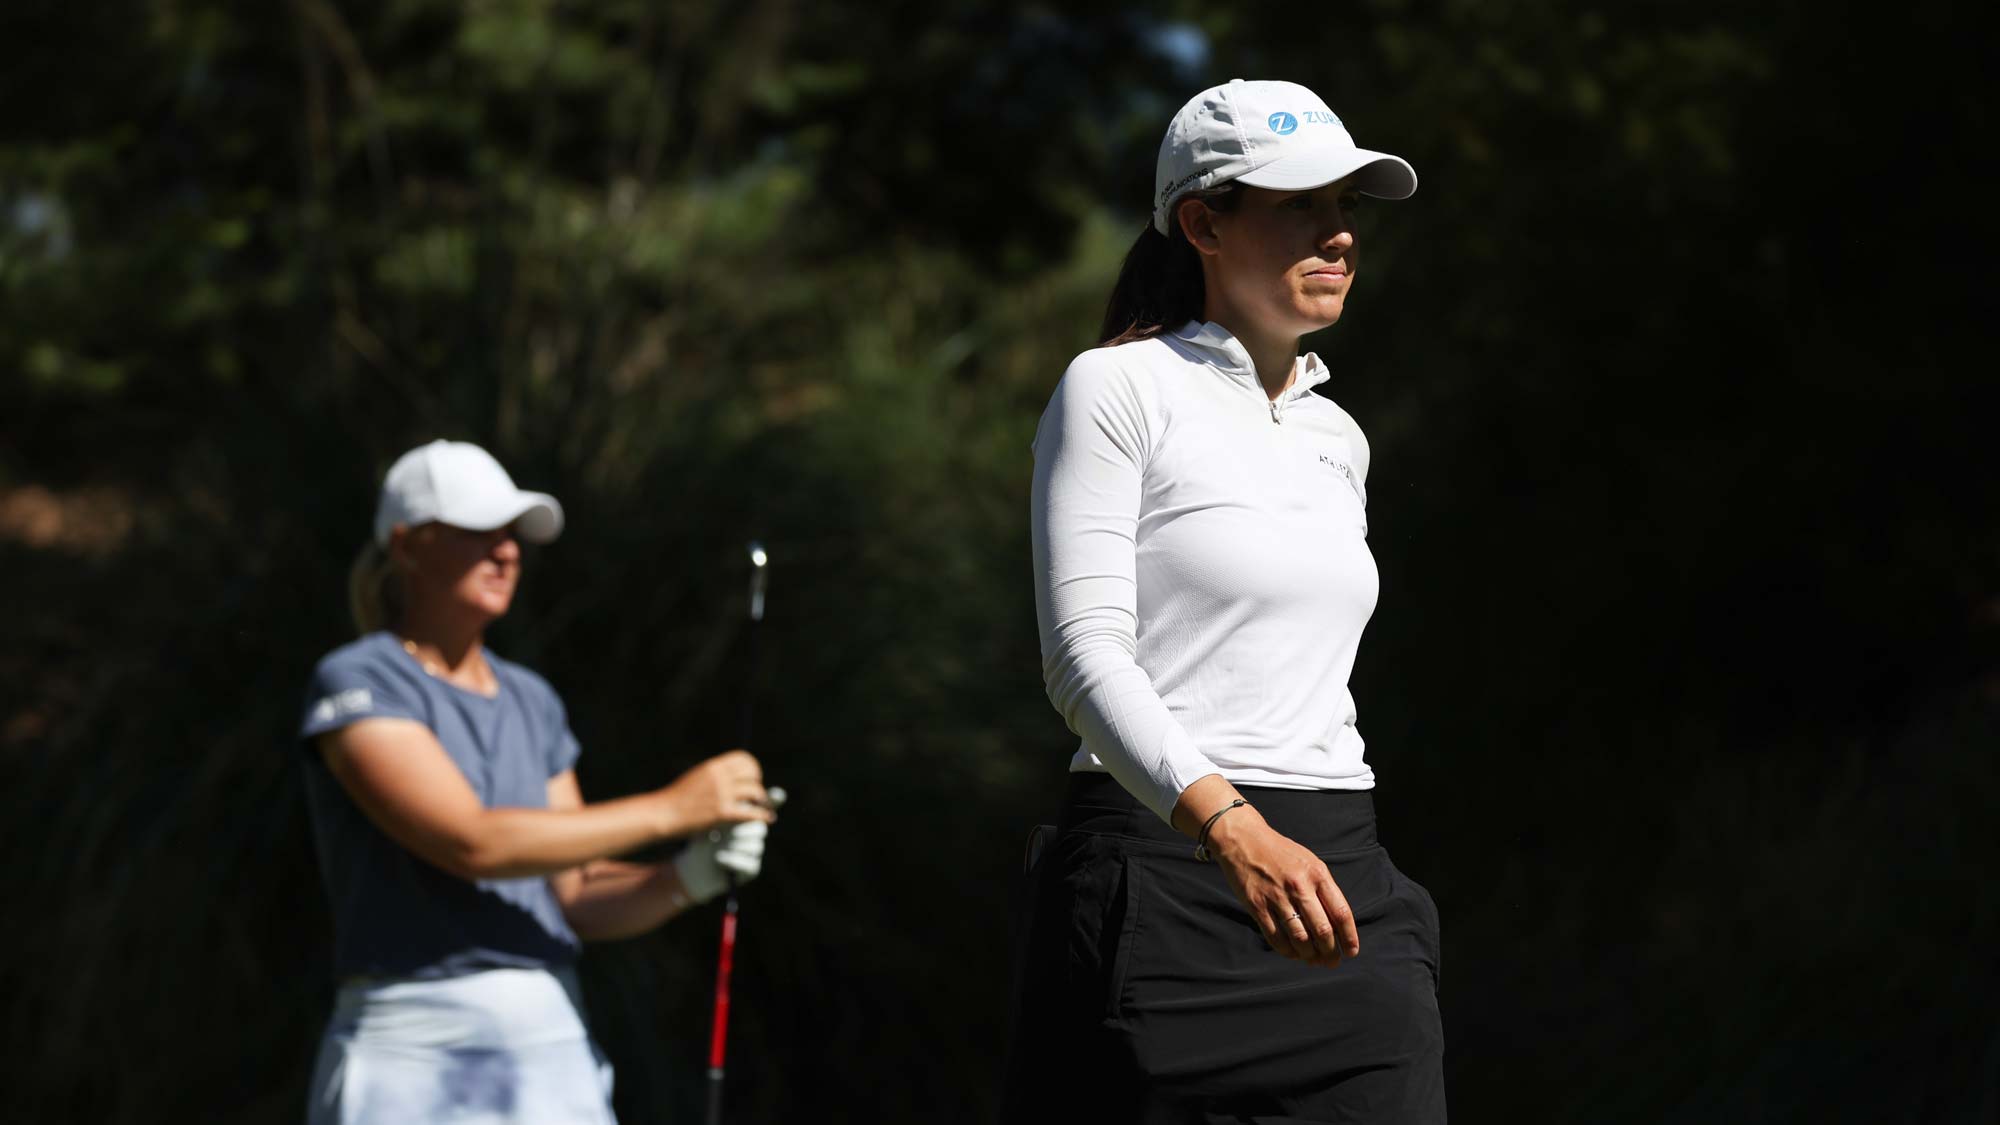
(1179, 765)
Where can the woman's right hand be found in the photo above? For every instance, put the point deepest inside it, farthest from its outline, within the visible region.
(726, 789)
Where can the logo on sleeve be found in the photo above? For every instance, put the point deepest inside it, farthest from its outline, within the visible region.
(1347, 473)
(341, 704)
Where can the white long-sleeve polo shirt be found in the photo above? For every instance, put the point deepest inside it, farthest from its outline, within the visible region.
(1202, 570)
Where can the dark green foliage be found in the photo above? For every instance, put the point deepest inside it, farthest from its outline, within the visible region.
(1682, 689)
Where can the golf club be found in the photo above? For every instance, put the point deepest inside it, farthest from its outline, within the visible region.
(719, 1030)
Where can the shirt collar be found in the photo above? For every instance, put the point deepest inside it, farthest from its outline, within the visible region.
(1219, 348)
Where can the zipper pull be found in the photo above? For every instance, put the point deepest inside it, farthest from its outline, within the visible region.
(1275, 420)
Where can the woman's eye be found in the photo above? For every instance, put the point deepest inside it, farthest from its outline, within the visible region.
(1350, 203)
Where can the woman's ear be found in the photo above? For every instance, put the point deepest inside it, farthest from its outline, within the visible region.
(1197, 222)
(399, 548)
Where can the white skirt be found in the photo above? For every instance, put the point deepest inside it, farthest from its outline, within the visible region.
(499, 1046)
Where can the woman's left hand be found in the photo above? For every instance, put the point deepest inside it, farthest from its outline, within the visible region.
(720, 854)
(707, 865)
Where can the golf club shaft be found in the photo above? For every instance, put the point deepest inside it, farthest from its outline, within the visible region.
(718, 1040)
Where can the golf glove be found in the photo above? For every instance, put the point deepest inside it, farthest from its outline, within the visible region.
(707, 864)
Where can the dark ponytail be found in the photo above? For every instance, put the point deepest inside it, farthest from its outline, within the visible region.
(1160, 286)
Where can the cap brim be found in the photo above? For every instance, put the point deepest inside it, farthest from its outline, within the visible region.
(537, 517)
(1374, 173)
(542, 520)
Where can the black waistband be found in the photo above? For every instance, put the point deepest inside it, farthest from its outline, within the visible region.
(1323, 820)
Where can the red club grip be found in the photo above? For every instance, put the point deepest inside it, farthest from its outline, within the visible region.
(719, 1035)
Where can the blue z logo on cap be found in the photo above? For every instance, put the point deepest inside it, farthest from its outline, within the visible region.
(1282, 123)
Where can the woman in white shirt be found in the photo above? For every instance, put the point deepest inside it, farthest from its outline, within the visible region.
(1203, 580)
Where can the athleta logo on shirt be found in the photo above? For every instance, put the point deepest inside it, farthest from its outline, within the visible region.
(350, 702)
(1338, 466)
(1347, 473)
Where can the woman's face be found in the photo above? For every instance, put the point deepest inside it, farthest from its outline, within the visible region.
(1282, 260)
(471, 570)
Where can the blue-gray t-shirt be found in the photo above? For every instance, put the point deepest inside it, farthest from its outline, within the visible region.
(393, 913)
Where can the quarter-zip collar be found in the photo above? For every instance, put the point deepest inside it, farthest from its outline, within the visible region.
(1219, 348)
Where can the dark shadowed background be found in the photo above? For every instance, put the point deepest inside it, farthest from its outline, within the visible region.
(1683, 692)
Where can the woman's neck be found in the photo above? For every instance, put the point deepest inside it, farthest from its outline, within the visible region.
(1275, 355)
(449, 645)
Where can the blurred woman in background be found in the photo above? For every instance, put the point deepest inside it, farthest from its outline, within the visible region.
(1203, 579)
(462, 864)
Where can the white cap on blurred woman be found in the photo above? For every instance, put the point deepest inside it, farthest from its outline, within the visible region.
(458, 483)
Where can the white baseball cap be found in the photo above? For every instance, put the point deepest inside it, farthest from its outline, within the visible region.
(458, 483)
(1276, 135)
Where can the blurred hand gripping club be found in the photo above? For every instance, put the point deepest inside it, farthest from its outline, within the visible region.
(720, 854)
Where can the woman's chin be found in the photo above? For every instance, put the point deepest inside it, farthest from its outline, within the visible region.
(1326, 312)
(491, 606)
(1314, 312)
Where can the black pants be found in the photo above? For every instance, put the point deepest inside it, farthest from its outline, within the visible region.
(1147, 995)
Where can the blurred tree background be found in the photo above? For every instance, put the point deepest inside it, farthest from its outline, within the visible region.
(1682, 691)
